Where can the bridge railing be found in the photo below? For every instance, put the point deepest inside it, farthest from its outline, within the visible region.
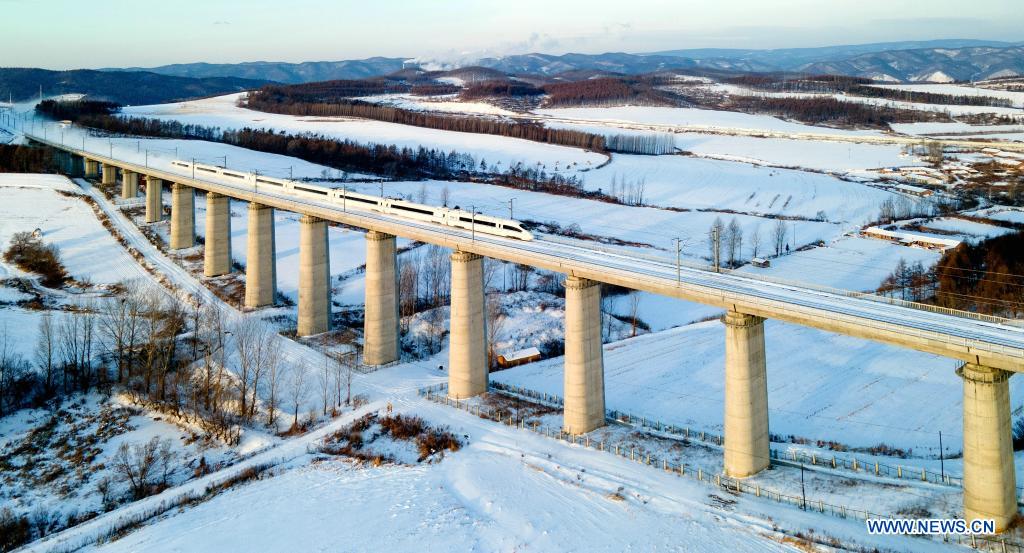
(871, 296)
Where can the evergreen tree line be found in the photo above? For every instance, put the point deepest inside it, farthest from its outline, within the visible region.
(72, 110)
(26, 159)
(290, 100)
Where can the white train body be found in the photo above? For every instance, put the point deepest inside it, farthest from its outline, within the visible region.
(458, 218)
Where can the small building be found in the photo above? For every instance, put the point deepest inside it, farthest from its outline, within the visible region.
(911, 238)
(516, 358)
(760, 262)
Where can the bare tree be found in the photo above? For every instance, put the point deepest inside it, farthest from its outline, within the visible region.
(634, 310)
(779, 236)
(445, 196)
(715, 242)
(273, 370)
(46, 352)
(325, 379)
(297, 388)
(755, 242)
(493, 324)
(733, 241)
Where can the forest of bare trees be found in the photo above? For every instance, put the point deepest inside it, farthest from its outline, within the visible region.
(295, 100)
(826, 109)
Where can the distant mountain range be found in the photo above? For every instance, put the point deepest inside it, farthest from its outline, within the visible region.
(291, 73)
(938, 60)
(123, 87)
(931, 61)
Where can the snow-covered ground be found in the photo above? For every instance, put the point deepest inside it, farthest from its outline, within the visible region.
(839, 157)
(87, 250)
(447, 103)
(689, 182)
(1001, 213)
(691, 117)
(849, 263)
(820, 386)
(223, 112)
(961, 90)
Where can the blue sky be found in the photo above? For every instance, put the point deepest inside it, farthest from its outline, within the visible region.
(62, 34)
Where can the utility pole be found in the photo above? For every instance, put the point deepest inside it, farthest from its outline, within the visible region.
(942, 462)
(803, 490)
(344, 197)
(679, 248)
(510, 200)
(382, 188)
(716, 241)
(472, 225)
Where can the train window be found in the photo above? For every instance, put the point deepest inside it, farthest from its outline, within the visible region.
(205, 169)
(412, 209)
(485, 223)
(235, 175)
(261, 181)
(363, 200)
(304, 189)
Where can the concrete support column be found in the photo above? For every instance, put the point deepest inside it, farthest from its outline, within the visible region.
(467, 354)
(77, 165)
(260, 259)
(583, 408)
(109, 174)
(154, 200)
(129, 184)
(314, 277)
(990, 485)
(183, 217)
(380, 327)
(92, 168)
(746, 396)
(217, 250)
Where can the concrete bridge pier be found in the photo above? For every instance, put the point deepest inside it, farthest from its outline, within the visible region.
(380, 327)
(154, 200)
(76, 167)
(91, 168)
(109, 174)
(583, 408)
(467, 355)
(261, 259)
(746, 396)
(990, 485)
(183, 217)
(314, 277)
(217, 250)
(129, 184)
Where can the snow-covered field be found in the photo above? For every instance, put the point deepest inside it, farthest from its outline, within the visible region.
(446, 103)
(691, 117)
(223, 112)
(849, 263)
(839, 157)
(87, 250)
(961, 90)
(820, 385)
(689, 182)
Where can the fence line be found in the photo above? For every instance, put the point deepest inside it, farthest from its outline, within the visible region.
(835, 462)
(439, 394)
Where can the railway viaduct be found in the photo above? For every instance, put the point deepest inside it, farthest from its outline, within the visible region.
(991, 350)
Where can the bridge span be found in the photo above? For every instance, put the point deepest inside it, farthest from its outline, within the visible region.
(992, 349)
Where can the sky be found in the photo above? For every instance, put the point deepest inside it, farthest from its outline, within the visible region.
(67, 34)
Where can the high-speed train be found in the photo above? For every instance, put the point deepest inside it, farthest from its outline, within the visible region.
(484, 224)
